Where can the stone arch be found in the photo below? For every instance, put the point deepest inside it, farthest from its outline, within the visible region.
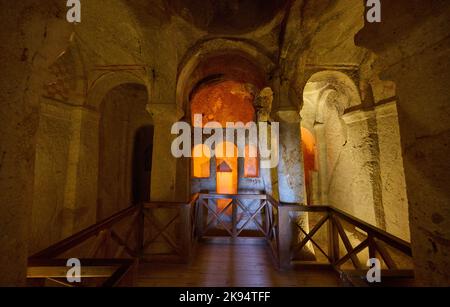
(205, 51)
(106, 82)
(346, 94)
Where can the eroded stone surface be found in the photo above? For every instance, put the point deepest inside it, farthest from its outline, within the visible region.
(395, 93)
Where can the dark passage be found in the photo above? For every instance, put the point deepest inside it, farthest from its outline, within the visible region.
(142, 164)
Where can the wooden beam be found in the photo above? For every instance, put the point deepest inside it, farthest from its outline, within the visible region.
(395, 242)
(308, 236)
(353, 253)
(385, 255)
(347, 244)
(78, 238)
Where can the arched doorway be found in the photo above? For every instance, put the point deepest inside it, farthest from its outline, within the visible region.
(125, 146)
(356, 159)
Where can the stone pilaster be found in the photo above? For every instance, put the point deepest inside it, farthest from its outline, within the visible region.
(66, 167)
(164, 164)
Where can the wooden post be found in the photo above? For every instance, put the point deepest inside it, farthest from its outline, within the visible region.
(372, 246)
(267, 215)
(284, 237)
(199, 221)
(185, 228)
(234, 218)
(140, 231)
(333, 239)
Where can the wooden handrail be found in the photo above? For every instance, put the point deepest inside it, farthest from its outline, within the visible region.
(276, 228)
(47, 257)
(380, 234)
(231, 196)
(335, 230)
(163, 204)
(74, 240)
(119, 268)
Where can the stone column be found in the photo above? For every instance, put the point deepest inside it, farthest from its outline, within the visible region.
(291, 177)
(291, 182)
(164, 164)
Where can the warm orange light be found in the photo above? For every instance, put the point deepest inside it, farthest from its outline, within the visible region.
(309, 156)
(201, 161)
(227, 179)
(227, 101)
(251, 165)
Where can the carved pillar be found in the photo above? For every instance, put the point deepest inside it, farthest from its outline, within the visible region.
(291, 180)
(291, 177)
(264, 106)
(164, 164)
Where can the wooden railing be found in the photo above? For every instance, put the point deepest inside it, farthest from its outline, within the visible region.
(233, 218)
(326, 236)
(319, 236)
(94, 273)
(97, 238)
(169, 231)
(298, 236)
(107, 252)
(240, 215)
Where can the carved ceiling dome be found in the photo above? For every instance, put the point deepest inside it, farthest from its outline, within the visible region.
(227, 16)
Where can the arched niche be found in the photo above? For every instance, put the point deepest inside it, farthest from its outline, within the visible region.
(326, 97)
(354, 156)
(324, 83)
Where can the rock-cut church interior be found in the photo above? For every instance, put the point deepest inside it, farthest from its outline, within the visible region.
(360, 111)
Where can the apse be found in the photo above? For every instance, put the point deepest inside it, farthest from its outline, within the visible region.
(222, 102)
